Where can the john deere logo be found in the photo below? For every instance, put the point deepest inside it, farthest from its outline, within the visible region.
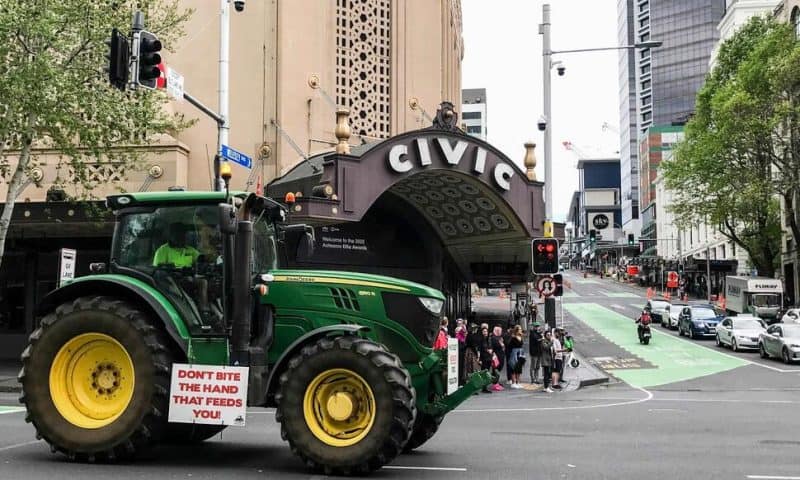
(600, 221)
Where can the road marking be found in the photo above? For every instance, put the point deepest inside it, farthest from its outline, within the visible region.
(648, 397)
(11, 410)
(666, 410)
(11, 447)
(771, 477)
(438, 469)
(717, 350)
(614, 305)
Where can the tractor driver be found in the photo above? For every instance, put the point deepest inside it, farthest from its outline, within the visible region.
(178, 254)
(175, 252)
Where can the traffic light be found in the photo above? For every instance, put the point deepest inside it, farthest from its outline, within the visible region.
(118, 56)
(592, 236)
(149, 46)
(559, 279)
(631, 240)
(545, 256)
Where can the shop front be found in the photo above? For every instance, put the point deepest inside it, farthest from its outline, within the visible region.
(433, 206)
(696, 274)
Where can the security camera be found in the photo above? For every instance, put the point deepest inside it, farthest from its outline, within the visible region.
(561, 69)
(239, 5)
(542, 124)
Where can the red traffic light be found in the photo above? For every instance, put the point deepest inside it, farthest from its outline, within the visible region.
(544, 253)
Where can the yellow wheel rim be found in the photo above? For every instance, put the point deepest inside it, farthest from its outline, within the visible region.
(91, 380)
(339, 407)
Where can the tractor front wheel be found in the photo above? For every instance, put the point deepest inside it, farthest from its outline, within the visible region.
(425, 428)
(346, 405)
(95, 379)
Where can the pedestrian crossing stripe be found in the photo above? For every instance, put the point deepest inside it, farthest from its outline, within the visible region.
(11, 410)
(621, 294)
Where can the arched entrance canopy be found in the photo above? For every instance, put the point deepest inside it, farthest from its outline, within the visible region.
(481, 204)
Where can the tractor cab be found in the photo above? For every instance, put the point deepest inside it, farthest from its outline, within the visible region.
(183, 242)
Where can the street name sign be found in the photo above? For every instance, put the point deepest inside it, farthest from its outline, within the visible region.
(236, 157)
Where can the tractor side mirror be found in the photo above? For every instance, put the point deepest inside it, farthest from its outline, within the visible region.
(302, 235)
(227, 218)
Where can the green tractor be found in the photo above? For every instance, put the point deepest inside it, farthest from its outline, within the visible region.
(345, 358)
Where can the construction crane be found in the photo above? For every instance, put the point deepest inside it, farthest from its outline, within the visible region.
(568, 145)
(607, 126)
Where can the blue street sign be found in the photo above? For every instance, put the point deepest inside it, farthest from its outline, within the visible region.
(236, 157)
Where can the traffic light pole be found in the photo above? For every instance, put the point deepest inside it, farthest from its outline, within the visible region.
(223, 127)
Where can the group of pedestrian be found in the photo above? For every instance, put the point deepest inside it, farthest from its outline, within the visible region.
(496, 350)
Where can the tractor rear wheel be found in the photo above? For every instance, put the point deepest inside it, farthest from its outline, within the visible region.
(346, 405)
(425, 428)
(96, 378)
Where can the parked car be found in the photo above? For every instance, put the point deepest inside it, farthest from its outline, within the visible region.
(675, 309)
(698, 321)
(791, 316)
(742, 331)
(659, 310)
(781, 340)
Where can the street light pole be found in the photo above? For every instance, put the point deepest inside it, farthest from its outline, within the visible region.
(544, 29)
(224, 68)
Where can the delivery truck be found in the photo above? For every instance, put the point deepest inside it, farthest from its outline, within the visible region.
(758, 296)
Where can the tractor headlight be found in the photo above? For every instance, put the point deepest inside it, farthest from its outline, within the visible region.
(433, 305)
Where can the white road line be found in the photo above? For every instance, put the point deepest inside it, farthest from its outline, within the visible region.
(12, 410)
(614, 305)
(439, 469)
(11, 447)
(648, 397)
(771, 477)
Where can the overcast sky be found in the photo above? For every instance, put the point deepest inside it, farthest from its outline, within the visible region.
(503, 53)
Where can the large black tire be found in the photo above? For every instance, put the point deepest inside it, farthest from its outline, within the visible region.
(394, 396)
(142, 423)
(187, 433)
(425, 428)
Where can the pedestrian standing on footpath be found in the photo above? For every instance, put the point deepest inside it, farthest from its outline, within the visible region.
(558, 360)
(499, 350)
(535, 349)
(486, 353)
(472, 362)
(516, 357)
(506, 340)
(441, 338)
(461, 336)
(546, 358)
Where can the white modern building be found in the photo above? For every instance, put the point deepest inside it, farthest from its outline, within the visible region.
(737, 13)
(473, 111)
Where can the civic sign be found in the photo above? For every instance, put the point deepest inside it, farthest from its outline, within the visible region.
(236, 156)
(546, 286)
(208, 394)
(672, 279)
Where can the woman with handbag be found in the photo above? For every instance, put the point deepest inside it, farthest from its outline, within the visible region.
(516, 356)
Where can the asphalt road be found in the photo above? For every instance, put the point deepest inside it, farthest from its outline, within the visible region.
(730, 416)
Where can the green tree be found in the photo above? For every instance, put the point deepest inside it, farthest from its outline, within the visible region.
(723, 172)
(55, 96)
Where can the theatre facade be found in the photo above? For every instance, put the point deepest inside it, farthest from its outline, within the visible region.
(435, 206)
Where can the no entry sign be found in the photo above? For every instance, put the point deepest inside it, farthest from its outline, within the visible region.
(209, 394)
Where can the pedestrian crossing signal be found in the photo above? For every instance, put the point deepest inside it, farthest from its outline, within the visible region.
(631, 240)
(544, 256)
(592, 236)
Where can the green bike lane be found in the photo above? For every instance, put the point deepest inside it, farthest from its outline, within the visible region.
(674, 359)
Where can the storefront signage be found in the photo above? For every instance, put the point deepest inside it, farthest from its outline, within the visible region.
(600, 221)
(208, 394)
(402, 160)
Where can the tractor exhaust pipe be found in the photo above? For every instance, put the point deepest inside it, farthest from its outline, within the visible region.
(242, 301)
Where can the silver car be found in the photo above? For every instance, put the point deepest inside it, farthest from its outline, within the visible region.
(781, 340)
(659, 310)
(674, 314)
(791, 316)
(739, 332)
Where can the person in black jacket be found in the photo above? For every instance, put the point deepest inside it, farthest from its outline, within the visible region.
(485, 352)
(535, 349)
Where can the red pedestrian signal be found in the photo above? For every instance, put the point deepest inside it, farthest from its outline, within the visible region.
(544, 253)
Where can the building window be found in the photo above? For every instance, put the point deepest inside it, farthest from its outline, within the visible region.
(645, 69)
(644, 37)
(363, 62)
(646, 116)
(471, 115)
(795, 19)
(646, 85)
(474, 129)
(646, 100)
(733, 250)
(644, 53)
(722, 252)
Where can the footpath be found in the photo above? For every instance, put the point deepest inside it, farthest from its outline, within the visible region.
(8, 376)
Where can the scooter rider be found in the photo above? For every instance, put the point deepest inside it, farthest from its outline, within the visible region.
(643, 321)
